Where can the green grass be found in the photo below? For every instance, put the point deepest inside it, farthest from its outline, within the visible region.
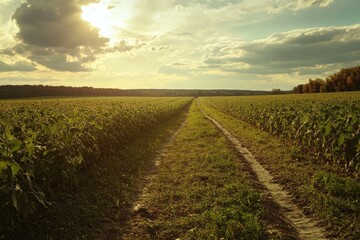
(322, 190)
(335, 199)
(199, 191)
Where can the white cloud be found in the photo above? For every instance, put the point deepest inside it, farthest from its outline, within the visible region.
(302, 4)
(314, 35)
(294, 51)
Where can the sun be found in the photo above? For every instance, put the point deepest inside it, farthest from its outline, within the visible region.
(99, 15)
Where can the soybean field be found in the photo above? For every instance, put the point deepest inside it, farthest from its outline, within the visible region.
(326, 125)
(247, 167)
(45, 143)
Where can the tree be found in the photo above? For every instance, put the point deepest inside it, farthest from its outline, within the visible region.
(347, 79)
(300, 88)
(306, 88)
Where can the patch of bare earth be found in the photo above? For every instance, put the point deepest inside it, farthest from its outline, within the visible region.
(289, 220)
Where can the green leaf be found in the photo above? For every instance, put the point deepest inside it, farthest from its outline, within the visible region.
(8, 134)
(327, 129)
(4, 165)
(30, 148)
(341, 139)
(15, 144)
(46, 152)
(15, 168)
(78, 160)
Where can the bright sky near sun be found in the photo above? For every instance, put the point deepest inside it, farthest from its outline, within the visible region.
(192, 44)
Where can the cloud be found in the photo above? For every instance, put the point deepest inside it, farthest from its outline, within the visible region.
(5, 2)
(60, 62)
(16, 67)
(179, 68)
(55, 23)
(296, 5)
(7, 27)
(126, 45)
(59, 59)
(79, 59)
(52, 34)
(186, 24)
(302, 4)
(286, 52)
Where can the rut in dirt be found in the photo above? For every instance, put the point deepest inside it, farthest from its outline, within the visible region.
(306, 227)
(139, 206)
(139, 209)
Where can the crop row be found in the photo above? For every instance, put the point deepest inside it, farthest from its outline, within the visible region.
(45, 143)
(328, 125)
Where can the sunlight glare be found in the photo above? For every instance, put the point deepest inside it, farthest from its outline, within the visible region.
(98, 15)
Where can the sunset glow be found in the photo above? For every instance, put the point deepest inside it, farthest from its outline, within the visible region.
(102, 18)
(230, 44)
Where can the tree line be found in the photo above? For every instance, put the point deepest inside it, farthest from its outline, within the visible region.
(347, 79)
(29, 91)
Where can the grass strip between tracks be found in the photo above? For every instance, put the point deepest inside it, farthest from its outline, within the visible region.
(198, 191)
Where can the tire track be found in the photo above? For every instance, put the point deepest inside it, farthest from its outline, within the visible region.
(306, 227)
(139, 206)
(139, 209)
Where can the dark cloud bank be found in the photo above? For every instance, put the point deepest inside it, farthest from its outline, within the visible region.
(55, 24)
(52, 34)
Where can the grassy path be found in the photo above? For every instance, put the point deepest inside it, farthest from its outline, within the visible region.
(305, 227)
(199, 190)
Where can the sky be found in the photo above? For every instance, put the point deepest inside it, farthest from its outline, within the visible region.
(176, 44)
